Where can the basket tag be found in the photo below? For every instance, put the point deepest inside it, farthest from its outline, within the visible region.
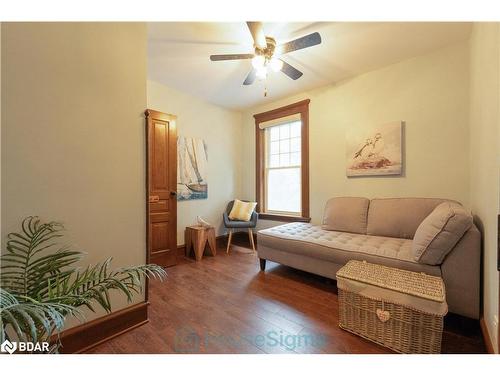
(383, 315)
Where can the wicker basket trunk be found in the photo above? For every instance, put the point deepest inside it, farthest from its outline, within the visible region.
(398, 309)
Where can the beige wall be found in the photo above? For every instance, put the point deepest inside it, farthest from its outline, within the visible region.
(429, 92)
(73, 146)
(485, 155)
(221, 129)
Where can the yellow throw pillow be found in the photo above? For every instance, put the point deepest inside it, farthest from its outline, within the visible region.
(242, 210)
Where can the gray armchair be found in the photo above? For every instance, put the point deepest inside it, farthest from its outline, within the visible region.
(238, 224)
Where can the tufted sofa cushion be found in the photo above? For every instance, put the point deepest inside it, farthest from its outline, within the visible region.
(346, 214)
(398, 217)
(312, 241)
(382, 246)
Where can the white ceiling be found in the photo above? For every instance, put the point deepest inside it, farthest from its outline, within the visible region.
(178, 55)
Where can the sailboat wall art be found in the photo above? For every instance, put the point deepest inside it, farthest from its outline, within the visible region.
(192, 169)
(375, 150)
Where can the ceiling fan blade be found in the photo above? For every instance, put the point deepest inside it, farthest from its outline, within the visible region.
(235, 56)
(300, 43)
(290, 71)
(250, 77)
(257, 32)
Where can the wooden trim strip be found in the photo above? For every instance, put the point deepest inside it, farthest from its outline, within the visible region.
(486, 336)
(84, 337)
(304, 116)
(284, 218)
(259, 167)
(301, 107)
(282, 111)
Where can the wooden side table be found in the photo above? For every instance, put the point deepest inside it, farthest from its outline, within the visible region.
(197, 236)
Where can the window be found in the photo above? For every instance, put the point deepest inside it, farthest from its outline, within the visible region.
(282, 163)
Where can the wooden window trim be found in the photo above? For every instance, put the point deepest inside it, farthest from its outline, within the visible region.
(301, 108)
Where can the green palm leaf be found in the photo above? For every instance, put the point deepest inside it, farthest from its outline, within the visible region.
(30, 319)
(40, 285)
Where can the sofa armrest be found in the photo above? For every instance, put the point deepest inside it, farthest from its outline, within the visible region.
(461, 271)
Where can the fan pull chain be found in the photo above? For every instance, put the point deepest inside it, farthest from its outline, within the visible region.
(265, 91)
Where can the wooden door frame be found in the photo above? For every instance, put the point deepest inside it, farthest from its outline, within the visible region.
(171, 119)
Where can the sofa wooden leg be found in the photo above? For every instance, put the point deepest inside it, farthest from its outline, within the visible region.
(229, 240)
(262, 264)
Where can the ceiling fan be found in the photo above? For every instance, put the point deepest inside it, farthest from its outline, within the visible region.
(267, 54)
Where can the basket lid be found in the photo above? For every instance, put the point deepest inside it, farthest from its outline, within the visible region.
(407, 282)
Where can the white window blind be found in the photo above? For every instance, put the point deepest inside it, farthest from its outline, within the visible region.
(283, 168)
(280, 121)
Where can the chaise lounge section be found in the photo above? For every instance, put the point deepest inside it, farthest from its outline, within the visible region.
(383, 231)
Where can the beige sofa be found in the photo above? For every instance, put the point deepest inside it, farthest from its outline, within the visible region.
(378, 231)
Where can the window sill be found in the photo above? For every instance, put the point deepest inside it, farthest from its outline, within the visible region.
(284, 218)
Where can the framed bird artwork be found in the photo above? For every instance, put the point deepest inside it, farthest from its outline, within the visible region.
(375, 150)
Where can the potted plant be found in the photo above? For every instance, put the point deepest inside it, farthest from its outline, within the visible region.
(40, 284)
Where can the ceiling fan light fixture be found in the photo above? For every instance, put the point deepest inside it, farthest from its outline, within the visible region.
(258, 61)
(261, 73)
(266, 54)
(276, 64)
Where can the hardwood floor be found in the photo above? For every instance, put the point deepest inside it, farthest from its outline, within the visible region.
(224, 304)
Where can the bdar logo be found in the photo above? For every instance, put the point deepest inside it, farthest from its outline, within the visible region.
(8, 347)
